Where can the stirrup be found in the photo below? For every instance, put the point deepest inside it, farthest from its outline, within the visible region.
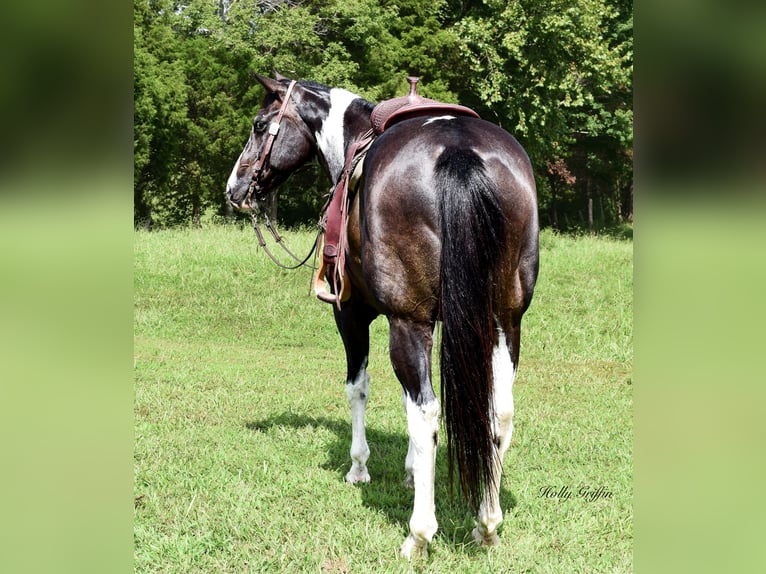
(321, 291)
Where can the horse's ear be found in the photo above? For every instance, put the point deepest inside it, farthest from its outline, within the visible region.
(272, 86)
(279, 77)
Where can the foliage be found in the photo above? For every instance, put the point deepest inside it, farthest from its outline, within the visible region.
(556, 74)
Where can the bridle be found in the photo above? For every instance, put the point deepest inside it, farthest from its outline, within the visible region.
(263, 155)
(254, 187)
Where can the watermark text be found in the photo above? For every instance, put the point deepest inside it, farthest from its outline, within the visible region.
(589, 493)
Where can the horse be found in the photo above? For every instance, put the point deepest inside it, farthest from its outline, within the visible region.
(442, 226)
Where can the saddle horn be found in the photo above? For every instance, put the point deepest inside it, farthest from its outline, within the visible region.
(413, 80)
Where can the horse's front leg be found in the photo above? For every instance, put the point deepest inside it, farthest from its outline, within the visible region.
(353, 322)
(410, 347)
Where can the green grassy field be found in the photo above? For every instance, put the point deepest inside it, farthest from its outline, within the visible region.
(242, 427)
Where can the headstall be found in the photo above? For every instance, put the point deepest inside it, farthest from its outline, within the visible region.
(266, 149)
(263, 155)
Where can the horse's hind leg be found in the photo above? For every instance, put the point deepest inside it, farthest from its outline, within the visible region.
(410, 347)
(504, 370)
(353, 322)
(409, 480)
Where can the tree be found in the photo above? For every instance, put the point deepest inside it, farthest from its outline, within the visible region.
(159, 104)
(557, 74)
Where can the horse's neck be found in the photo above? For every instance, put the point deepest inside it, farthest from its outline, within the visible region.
(348, 115)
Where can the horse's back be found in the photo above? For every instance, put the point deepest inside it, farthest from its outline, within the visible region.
(401, 163)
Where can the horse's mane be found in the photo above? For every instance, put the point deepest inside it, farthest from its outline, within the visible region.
(368, 106)
(313, 84)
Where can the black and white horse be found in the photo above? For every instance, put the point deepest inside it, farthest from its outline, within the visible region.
(444, 228)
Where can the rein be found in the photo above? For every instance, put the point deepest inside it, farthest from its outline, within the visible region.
(278, 238)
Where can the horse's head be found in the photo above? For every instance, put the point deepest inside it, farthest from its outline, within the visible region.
(279, 143)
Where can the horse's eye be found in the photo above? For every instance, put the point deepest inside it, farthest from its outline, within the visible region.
(259, 125)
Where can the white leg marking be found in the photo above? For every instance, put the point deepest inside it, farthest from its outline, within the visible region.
(357, 392)
(423, 426)
(490, 513)
(409, 481)
(504, 375)
(330, 136)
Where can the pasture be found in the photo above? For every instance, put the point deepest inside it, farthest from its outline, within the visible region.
(242, 427)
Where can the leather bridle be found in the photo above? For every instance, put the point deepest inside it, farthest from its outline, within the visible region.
(263, 155)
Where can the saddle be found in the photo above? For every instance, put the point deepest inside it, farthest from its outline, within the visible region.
(395, 110)
(334, 221)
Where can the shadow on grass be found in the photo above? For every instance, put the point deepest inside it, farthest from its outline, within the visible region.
(386, 492)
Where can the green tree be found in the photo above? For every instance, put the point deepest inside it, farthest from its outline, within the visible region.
(192, 99)
(159, 107)
(558, 74)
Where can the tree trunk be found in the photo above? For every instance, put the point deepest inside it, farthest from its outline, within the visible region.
(602, 215)
(627, 202)
(590, 203)
(554, 207)
(619, 210)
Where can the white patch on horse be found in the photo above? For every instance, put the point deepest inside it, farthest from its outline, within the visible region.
(330, 136)
(357, 391)
(504, 375)
(428, 121)
(423, 426)
(231, 183)
(409, 481)
(490, 513)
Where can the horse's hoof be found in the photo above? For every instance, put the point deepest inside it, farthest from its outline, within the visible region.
(485, 539)
(355, 476)
(412, 547)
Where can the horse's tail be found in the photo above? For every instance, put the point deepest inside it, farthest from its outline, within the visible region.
(473, 238)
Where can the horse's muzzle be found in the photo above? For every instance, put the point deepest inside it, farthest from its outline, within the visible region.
(241, 201)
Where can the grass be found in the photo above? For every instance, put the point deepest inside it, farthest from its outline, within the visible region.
(242, 428)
